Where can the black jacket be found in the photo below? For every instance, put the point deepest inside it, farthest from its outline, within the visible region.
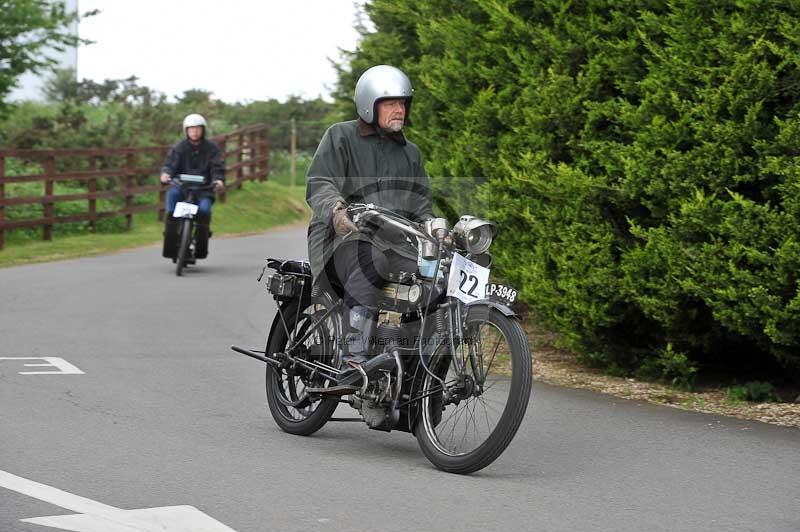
(205, 159)
(355, 163)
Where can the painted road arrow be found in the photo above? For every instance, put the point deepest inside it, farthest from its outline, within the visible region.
(94, 516)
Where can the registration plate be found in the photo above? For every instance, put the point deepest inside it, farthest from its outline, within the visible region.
(501, 292)
(184, 210)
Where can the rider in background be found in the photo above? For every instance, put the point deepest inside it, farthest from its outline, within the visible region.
(199, 156)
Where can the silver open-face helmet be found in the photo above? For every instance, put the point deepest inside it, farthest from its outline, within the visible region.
(194, 120)
(381, 82)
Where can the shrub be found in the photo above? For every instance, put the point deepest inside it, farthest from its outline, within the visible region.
(755, 391)
(670, 366)
(641, 160)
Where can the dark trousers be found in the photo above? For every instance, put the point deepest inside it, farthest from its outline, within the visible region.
(361, 270)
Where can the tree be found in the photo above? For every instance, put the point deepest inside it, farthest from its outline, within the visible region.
(62, 86)
(27, 27)
(195, 98)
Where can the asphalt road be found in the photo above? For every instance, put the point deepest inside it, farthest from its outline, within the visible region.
(165, 414)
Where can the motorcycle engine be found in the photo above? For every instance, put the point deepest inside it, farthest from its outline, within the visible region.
(395, 329)
(374, 415)
(373, 405)
(403, 293)
(388, 331)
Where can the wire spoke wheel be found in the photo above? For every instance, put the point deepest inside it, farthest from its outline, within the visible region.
(293, 409)
(466, 425)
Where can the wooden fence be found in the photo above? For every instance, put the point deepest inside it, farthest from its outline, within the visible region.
(128, 173)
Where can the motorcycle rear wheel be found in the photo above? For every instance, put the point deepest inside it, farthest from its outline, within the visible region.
(471, 430)
(291, 407)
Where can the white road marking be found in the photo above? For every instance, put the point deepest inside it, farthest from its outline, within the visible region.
(63, 367)
(95, 516)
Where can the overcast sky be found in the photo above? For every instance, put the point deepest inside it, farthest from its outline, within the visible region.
(241, 50)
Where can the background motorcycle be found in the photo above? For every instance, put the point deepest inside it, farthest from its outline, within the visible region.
(192, 185)
(451, 363)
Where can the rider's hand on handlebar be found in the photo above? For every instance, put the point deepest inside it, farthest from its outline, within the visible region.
(342, 224)
(165, 178)
(219, 185)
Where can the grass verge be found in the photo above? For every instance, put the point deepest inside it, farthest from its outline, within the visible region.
(256, 207)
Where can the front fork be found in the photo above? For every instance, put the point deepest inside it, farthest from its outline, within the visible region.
(464, 351)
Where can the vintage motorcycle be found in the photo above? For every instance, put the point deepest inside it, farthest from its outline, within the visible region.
(186, 210)
(451, 363)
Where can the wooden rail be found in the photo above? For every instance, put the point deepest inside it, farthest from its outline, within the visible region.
(106, 173)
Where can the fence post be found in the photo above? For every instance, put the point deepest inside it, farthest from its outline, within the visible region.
(253, 157)
(293, 152)
(92, 192)
(240, 157)
(265, 153)
(49, 211)
(162, 194)
(129, 162)
(2, 196)
(223, 147)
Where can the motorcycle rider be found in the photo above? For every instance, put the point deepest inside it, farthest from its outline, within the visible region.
(199, 156)
(367, 160)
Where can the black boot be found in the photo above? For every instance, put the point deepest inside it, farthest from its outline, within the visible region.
(362, 326)
(357, 341)
(171, 228)
(371, 367)
(361, 343)
(358, 358)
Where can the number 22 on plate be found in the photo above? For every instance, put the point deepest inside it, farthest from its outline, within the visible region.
(467, 280)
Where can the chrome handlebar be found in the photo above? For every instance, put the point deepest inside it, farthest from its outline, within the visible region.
(361, 212)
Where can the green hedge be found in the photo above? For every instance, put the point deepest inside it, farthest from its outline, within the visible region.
(641, 159)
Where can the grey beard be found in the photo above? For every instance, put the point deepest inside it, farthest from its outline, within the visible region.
(394, 127)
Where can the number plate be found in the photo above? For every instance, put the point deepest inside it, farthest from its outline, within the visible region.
(467, 280)
(184, 210)
(500, 292)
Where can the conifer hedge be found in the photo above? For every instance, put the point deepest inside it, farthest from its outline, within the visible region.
(640, 158)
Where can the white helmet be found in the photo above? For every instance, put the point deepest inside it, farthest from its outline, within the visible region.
(380, 83)
(194, 120)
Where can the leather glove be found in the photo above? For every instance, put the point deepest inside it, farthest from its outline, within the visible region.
(342, 224)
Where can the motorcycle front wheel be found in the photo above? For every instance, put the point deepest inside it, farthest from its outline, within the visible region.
(183, 250)
(294, 410)
(466, 424)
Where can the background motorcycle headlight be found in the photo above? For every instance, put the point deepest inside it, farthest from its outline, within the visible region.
(473, 234)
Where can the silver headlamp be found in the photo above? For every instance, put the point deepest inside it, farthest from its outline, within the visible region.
(473, 234)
